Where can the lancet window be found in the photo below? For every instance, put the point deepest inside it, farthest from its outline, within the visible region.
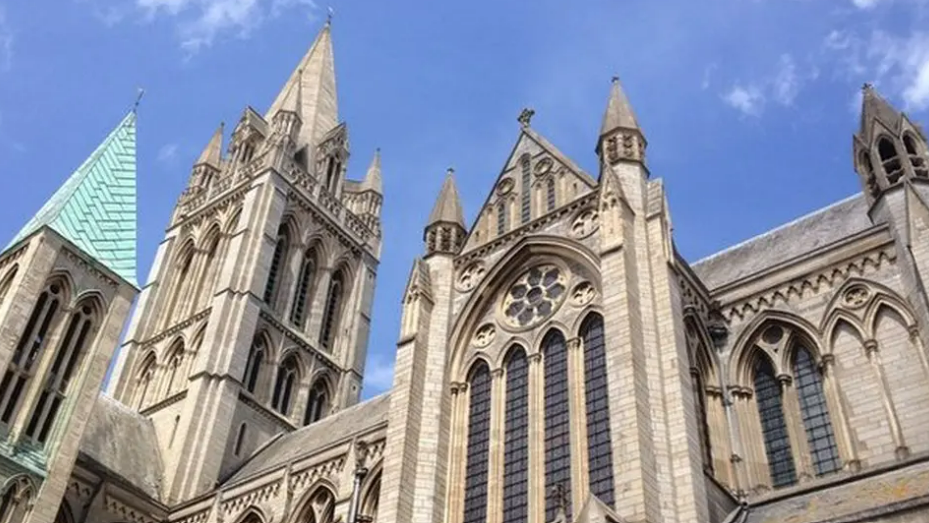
(256, 355)
(599, 447)
(557, 421)
(304, 283)
(174, 367)
(185, 261)
(29, 349)
(890, 160)
(525, 213)
(815, 413)
(317, 403)
(78, 335)
(475, 498)
(516, 439)
(144, 380)
(285, 386)
(773, 425)
(277, 262)
(333, 311)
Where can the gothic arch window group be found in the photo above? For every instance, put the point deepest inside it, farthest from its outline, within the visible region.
(285, 385)
(317, 404)
(553, 389)
(16, 499)
(318, 508)
(333, 310)
(278, 258)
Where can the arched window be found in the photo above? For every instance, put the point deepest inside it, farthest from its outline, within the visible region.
(240, 439)
(317, 404)
(16, 501)
(285, 385)
(333, 170)
(277, 261)
(889, 159)
(773, 425)
(145, 377)
(7, 282)
(557, 422)
(475, 495)
(333, 311)
(29, 350)
(369, 504)
(501, 218)
(525, 213)
(916, 159)
(253, 365)
(319, 508)
(815, 413)
(304, 284)
(599, 448)
(184, 261)
(208, 275)
(65, 515)
(78, 335)
(516, 439)
(175, 362)
(550, 194)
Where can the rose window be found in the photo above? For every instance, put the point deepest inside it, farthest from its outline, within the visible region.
(534, 296)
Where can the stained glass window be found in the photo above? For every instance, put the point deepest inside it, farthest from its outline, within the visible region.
(333, 311)
(534, 296)
(516, 439)
(501, 218)
(773, 427)
(599, 449)
(253, 364)
(526, 209)
(285, 386)
(815, 414)
(475, 499)
(557, 422)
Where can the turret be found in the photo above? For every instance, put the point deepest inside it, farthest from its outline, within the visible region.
(621, 138)
(209, 164)
(445, 232)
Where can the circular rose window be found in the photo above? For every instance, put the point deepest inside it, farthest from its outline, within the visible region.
(534, 296)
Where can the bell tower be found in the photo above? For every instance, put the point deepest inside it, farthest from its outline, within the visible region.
(255, 317)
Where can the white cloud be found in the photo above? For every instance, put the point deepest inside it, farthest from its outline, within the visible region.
(786, 83)
(200, 22)
(6, 43)
(167, 153)
(747, 99)
(866, 4)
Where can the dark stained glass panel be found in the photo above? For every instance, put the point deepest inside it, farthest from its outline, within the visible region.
(516, 439)
(815, 414)
(557, 422)
(773, 427)
(599, 449)
(475, 499)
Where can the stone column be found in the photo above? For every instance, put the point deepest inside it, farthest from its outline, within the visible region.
(799, 446)
(536, 440)
(578, 416)
(496, 447)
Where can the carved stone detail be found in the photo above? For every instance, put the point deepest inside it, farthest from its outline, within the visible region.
(583, 293)
(856, 296)
(484, 335)
(585, 223)
(470, 276)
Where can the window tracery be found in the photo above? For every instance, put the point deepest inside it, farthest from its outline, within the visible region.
(285, 385)
(144, 380)
(317, 405)
(534, 296)
(253, 364)
(304, 284)
(333, 311)
(277, 261)
(815, 414)
(599, 448)
(16, 501)
(773, 425)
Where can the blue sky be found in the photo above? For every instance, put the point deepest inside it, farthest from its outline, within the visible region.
(748, 105)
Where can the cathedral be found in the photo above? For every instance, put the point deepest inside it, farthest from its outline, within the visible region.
(557, 361)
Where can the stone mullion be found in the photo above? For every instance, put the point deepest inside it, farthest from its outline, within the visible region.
(838, 417)
(916, 342)
(754, 460)
(901, 450)
(580, 485)
(799, 446)
(720, 446)
(314, 321)
(496, 448)
(536, 440)
(459, 453)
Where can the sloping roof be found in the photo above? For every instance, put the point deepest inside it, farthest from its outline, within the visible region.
(823, 227)
(123, 442)
(95, 209)
(313, 437)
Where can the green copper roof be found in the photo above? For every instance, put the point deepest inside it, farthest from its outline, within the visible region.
(95, 209)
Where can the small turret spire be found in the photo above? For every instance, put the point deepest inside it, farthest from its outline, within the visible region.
(876, 107)
(213, 152)
(447, 207)
(619, 114)
(372, 180)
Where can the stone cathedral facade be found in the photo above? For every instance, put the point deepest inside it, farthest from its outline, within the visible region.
(557, 359)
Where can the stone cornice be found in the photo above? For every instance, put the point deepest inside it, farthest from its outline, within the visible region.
(300, 341)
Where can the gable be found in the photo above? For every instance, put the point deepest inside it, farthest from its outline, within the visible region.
(536, 179)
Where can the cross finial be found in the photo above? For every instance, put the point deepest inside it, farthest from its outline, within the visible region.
(867, 86)
(138, 99)
(525, 116)
(450, 171)
(615, 79)
(329, 15)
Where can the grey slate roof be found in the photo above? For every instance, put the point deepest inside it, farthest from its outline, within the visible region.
(123, 442)
(314, 437)
(823, 227)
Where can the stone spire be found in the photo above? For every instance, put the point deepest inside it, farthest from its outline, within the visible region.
(875, 107)
(447, 207)
(445, 231)
(316, 102)
(95, 208)
(372, 180)
(619, 114)
(213, 152)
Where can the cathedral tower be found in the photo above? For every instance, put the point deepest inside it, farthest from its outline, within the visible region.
(255, 317)
(67, 281)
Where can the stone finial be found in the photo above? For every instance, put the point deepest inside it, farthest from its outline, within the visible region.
(525, 116)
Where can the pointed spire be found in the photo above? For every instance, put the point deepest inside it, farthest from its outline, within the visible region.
(212, 154)
(95, 209)
(619, 113)
(372, 180)
(876, 107)
(447, 207)
(293, 100)
(316, 103)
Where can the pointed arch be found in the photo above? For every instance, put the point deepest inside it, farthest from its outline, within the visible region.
(286, 383)
(770, 402)
(476, 461)
(252, 515)
(182, 266)
(815, 412)
(278, 261)
(556, 420)
(209, 246)
(78, 336)
(890, 158)
(144, 378)
(318, 401)
(174, 367)
(29, 350)
(334, 307)
(516, 437)
(884, 300)
(371, 495)
(318, 506)
(306, 284)
(741, 359)
(257, 354)
(16, 498)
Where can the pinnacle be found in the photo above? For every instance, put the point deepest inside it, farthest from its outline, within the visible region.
(213, 152)
(876, 107)
(372, 180)
(619, 112)
(447, 207)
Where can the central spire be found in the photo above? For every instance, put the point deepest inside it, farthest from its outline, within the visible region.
(314, 80)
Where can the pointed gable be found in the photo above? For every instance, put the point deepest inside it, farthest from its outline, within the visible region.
(521, 193)
(95, 209)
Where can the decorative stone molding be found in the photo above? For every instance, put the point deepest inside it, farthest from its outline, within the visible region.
(252, 497)
(583, 293)
(470, 276)
(870, 347)
(127, 513)
(89, 268)
(484, 336)
(175, 329)
(544, 166)
(13, 256)
(309, 476)
(856, 296)
(265, 412)
(289, 333)
(199, 517)
(585, 223)
(505, 186)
